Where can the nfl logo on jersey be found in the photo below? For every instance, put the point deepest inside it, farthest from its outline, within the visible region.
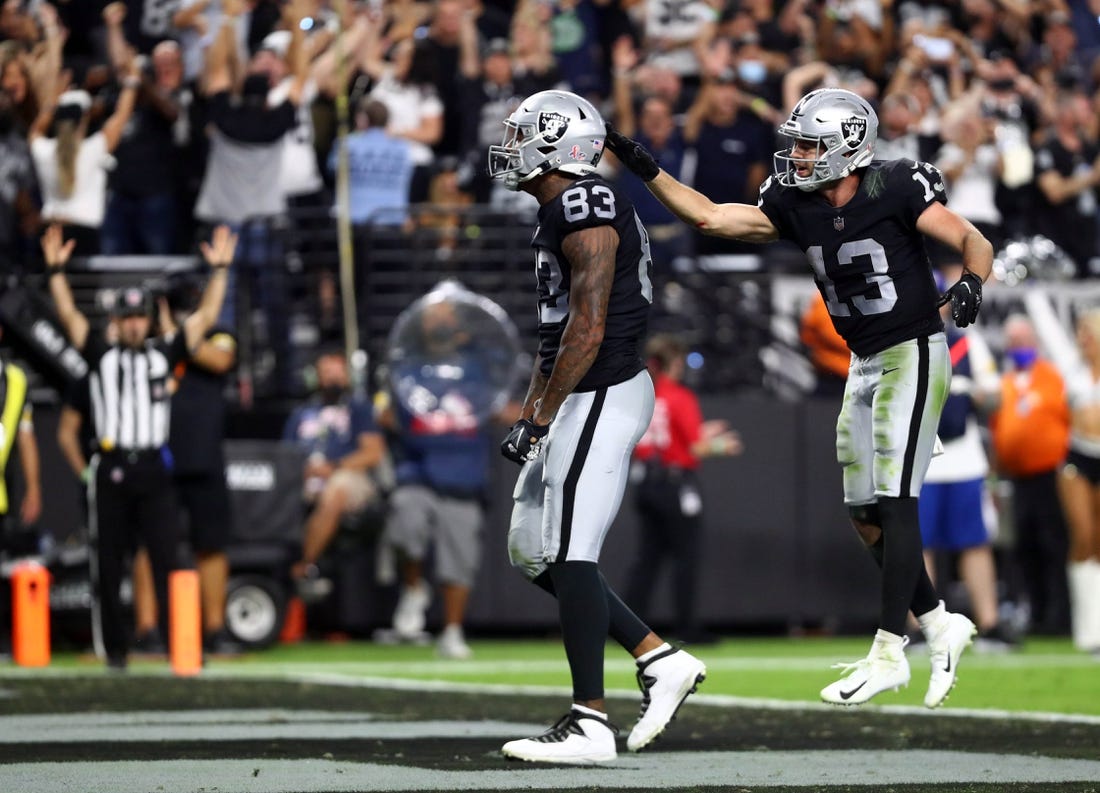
(838, 223)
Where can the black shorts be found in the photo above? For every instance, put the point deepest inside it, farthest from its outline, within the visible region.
(204, 500)
(1086, 465)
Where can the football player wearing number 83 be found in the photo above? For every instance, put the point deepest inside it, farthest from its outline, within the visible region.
(861, 223)
(589, 402)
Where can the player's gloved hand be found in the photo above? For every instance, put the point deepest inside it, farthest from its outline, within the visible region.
(632, 154)
(966, 298)
(524, 441)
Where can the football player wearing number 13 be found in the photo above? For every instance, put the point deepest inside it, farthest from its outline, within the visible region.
(589, 402)
(861, 222)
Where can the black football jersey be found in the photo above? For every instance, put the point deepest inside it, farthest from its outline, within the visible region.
(868, 258)
(591, 201)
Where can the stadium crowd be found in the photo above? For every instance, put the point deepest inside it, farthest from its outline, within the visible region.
(139, 126)
(136, 123)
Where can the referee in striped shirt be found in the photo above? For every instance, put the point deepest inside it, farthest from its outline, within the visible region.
(130, 490)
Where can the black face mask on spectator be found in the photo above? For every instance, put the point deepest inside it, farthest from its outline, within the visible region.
(331, 394)
(255, 88)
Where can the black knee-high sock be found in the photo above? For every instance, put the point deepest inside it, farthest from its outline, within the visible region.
(625, 627)
(925, 598)
(902, 560)
(583, 612)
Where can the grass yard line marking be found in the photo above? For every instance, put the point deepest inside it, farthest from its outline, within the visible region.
(757, 664)
(721, 700)
(651, 771)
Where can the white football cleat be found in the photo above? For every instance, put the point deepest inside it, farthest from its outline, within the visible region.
(580, 737)
(946, 643)
(885, 668)
(666, 680)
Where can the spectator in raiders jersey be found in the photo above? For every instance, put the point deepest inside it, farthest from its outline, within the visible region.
(1067, 173)
(141, 215)
(862, 224)
(588, 404)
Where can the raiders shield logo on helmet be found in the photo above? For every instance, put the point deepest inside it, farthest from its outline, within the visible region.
(552, 126)
(854, 130)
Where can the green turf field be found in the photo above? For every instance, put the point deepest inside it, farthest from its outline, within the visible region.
(350, 717)
(1045, 675)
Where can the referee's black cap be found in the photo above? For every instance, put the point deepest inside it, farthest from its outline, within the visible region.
(132, 301)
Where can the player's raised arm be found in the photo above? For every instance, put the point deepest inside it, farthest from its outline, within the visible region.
(736, 221)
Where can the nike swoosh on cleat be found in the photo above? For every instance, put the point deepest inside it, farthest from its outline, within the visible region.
(948, 667)
(887, 371)
(846, 695)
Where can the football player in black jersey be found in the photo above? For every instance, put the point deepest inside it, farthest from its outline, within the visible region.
(861, 223)
(589, 402)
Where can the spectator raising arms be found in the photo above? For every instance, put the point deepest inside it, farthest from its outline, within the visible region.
(72, 166)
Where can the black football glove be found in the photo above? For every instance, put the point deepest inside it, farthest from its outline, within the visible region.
(965, 297)
(524, 441)
(632, 154)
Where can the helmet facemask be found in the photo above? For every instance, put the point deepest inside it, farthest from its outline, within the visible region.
(830, 160)
(506, 160)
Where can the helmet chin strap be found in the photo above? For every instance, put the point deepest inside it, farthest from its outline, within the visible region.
(539, 171)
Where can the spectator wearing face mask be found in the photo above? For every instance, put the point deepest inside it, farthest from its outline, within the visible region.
(242, 186)
(342, 444)
(1030, 432)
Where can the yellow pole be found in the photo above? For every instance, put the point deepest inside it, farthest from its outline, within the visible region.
(343, 196)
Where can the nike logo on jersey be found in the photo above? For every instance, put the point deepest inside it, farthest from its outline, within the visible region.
(849, 694)
(887, 371)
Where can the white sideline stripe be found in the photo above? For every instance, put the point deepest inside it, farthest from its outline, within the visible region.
(721, 700)
(244, 725)
(757, 664)
(646, 771)
(354, 674)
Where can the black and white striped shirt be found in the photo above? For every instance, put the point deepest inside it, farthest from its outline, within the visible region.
(127, 390)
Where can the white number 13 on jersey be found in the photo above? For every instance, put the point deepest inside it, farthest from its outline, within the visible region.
(857, 252)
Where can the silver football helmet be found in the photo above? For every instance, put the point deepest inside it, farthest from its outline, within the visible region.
(841, 127)
(550, 130)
